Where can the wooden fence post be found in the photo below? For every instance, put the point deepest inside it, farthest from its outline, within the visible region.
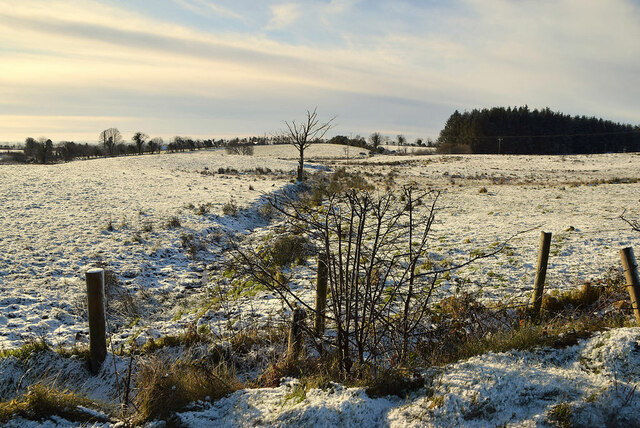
(296, 333)
(95, 308)
(541, 272)
(630, 267)
(321, 294)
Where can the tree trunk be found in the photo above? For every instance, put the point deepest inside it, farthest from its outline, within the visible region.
(301, 165)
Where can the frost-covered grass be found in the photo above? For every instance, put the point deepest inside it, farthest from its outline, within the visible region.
(591, 383)
(595, 380)
(158, 225)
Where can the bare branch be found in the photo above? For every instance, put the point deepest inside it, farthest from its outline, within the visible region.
(635, 225)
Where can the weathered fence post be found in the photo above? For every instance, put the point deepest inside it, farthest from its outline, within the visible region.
(541, 272)
(321, 294)
(95, 308)
(630, 267)
(296, 333)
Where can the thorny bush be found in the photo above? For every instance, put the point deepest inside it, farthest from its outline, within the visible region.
(381, 272)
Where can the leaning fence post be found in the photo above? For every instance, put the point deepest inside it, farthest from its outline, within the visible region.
(95, 308)
(630, 267)
(541, 272)
(296, 333)
(321, 294)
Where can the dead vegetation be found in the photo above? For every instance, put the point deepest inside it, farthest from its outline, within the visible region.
(165, 387)
(40, 402)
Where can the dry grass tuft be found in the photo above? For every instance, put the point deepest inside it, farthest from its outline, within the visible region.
(166, 387)
(555, 301)
(41, 402)
(173, 222)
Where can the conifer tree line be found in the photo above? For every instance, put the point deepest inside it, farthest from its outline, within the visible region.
(522, 131)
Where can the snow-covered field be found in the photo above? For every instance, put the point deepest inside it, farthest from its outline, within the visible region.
(57, 219)
(154, 221)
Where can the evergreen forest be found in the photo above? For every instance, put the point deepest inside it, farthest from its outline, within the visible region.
(520, 130)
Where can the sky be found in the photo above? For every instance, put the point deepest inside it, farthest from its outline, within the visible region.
(217, 69)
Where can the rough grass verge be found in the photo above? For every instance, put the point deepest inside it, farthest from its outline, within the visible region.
(559, 334)
(190, 337)
(41, 402)
(25, 352)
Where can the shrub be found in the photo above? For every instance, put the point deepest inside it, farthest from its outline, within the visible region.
(289, 367)
(227, 170)
(286, 250)
(173, 222)
(18, 157)
(204, 209)
(267, 211)
(361, 233)
(339, 181)
(462, 332)
(261, 171)
(230, 208)
(574, 299)
(189, 337)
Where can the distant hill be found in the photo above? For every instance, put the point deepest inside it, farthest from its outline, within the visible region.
(522, 131)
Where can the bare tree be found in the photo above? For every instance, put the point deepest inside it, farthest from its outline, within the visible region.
(155, 145)
(140, 138)
(301, 135)
(110, 138)
(375, 139)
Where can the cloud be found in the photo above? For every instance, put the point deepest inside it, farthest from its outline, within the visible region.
(204, 7)
(283, 15)
(386, 65)
(337, 7)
